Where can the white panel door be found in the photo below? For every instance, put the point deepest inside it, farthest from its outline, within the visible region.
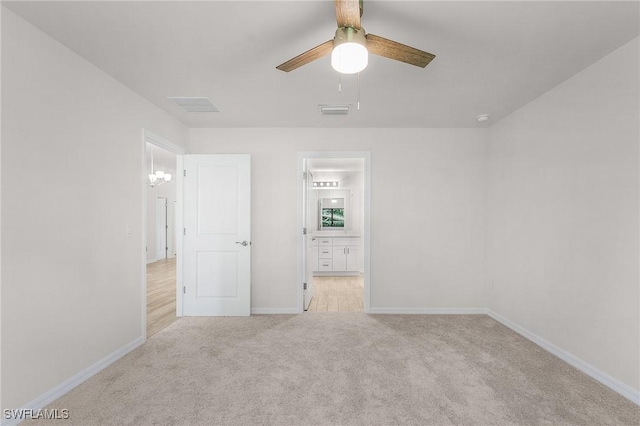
(217, 240)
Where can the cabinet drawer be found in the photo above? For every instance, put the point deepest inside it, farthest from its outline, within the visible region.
(325, 241)
(354, 241)
(325, 265)
(325, 253)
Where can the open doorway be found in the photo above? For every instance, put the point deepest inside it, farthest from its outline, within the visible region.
(334, 217)
(161, 241)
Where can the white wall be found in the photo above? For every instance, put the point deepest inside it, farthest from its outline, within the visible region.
(427, 210)
(166, 190)
(355, 183)
(564, 216)
(71, 184)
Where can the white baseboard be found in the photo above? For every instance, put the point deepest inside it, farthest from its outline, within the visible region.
(151, 261)
(429, 311)
(273, 311)
(48, 397)
(597, 374)
(336, 274)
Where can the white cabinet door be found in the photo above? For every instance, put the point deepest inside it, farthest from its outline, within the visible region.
(217, 250)
(340, 258)
(353, 259)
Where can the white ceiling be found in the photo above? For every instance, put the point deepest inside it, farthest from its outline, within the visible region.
(491, 57)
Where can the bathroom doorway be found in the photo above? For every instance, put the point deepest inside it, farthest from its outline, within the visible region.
(334, 222)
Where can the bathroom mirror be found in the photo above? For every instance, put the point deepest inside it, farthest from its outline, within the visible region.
(332, 214)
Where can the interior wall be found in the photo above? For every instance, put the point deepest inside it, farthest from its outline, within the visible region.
(355, 183)
(168, 191)
(71, 212)
(427, 210)
(563, 216)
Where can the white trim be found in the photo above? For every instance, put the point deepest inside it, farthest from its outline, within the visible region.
(64, 387)
(161, 142)
(151, 261)
(273, 311)
(366, 156)
(178, 222)
(593, 372)
(429, 311)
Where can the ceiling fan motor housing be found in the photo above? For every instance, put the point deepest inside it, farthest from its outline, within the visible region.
(349, 53)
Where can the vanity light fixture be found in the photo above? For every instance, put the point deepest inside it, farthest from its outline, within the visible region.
(325, 184)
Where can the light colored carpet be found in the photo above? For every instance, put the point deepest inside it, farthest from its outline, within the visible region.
(342, 368)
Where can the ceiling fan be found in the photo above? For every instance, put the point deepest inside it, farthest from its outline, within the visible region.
(350, 47)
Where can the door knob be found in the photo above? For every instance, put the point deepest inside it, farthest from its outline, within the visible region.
(244, 243)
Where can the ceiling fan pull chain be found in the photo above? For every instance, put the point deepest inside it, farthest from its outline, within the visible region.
(339, 83)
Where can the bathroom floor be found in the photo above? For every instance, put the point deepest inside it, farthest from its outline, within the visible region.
(337, 294)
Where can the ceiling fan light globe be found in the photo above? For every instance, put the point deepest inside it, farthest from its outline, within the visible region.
(153, 178)
(167, 177)
(349, 58)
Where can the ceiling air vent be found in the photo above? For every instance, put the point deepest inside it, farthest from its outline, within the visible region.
(334, 109)
(194, 104)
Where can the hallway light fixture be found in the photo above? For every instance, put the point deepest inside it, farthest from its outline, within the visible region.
(158, 177)
(325, 184)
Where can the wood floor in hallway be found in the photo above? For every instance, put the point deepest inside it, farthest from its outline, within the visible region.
(337, 294)
(161, 295)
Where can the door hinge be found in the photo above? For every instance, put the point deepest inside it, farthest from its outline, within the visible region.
(304, 231)
(304, 286)
(184, 290)
(184, 231)
(304, 175)
(184, 173)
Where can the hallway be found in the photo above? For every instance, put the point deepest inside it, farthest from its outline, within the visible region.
(161, 295)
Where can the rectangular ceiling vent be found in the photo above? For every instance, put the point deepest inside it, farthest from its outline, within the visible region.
(194, 104)
(334, 109)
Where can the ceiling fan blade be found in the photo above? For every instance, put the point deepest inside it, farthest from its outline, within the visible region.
(308, 56)
(400, 52)
(348, 13)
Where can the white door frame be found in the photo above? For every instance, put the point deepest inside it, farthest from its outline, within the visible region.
(163, 143)
(366, 156)
(165, 250)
